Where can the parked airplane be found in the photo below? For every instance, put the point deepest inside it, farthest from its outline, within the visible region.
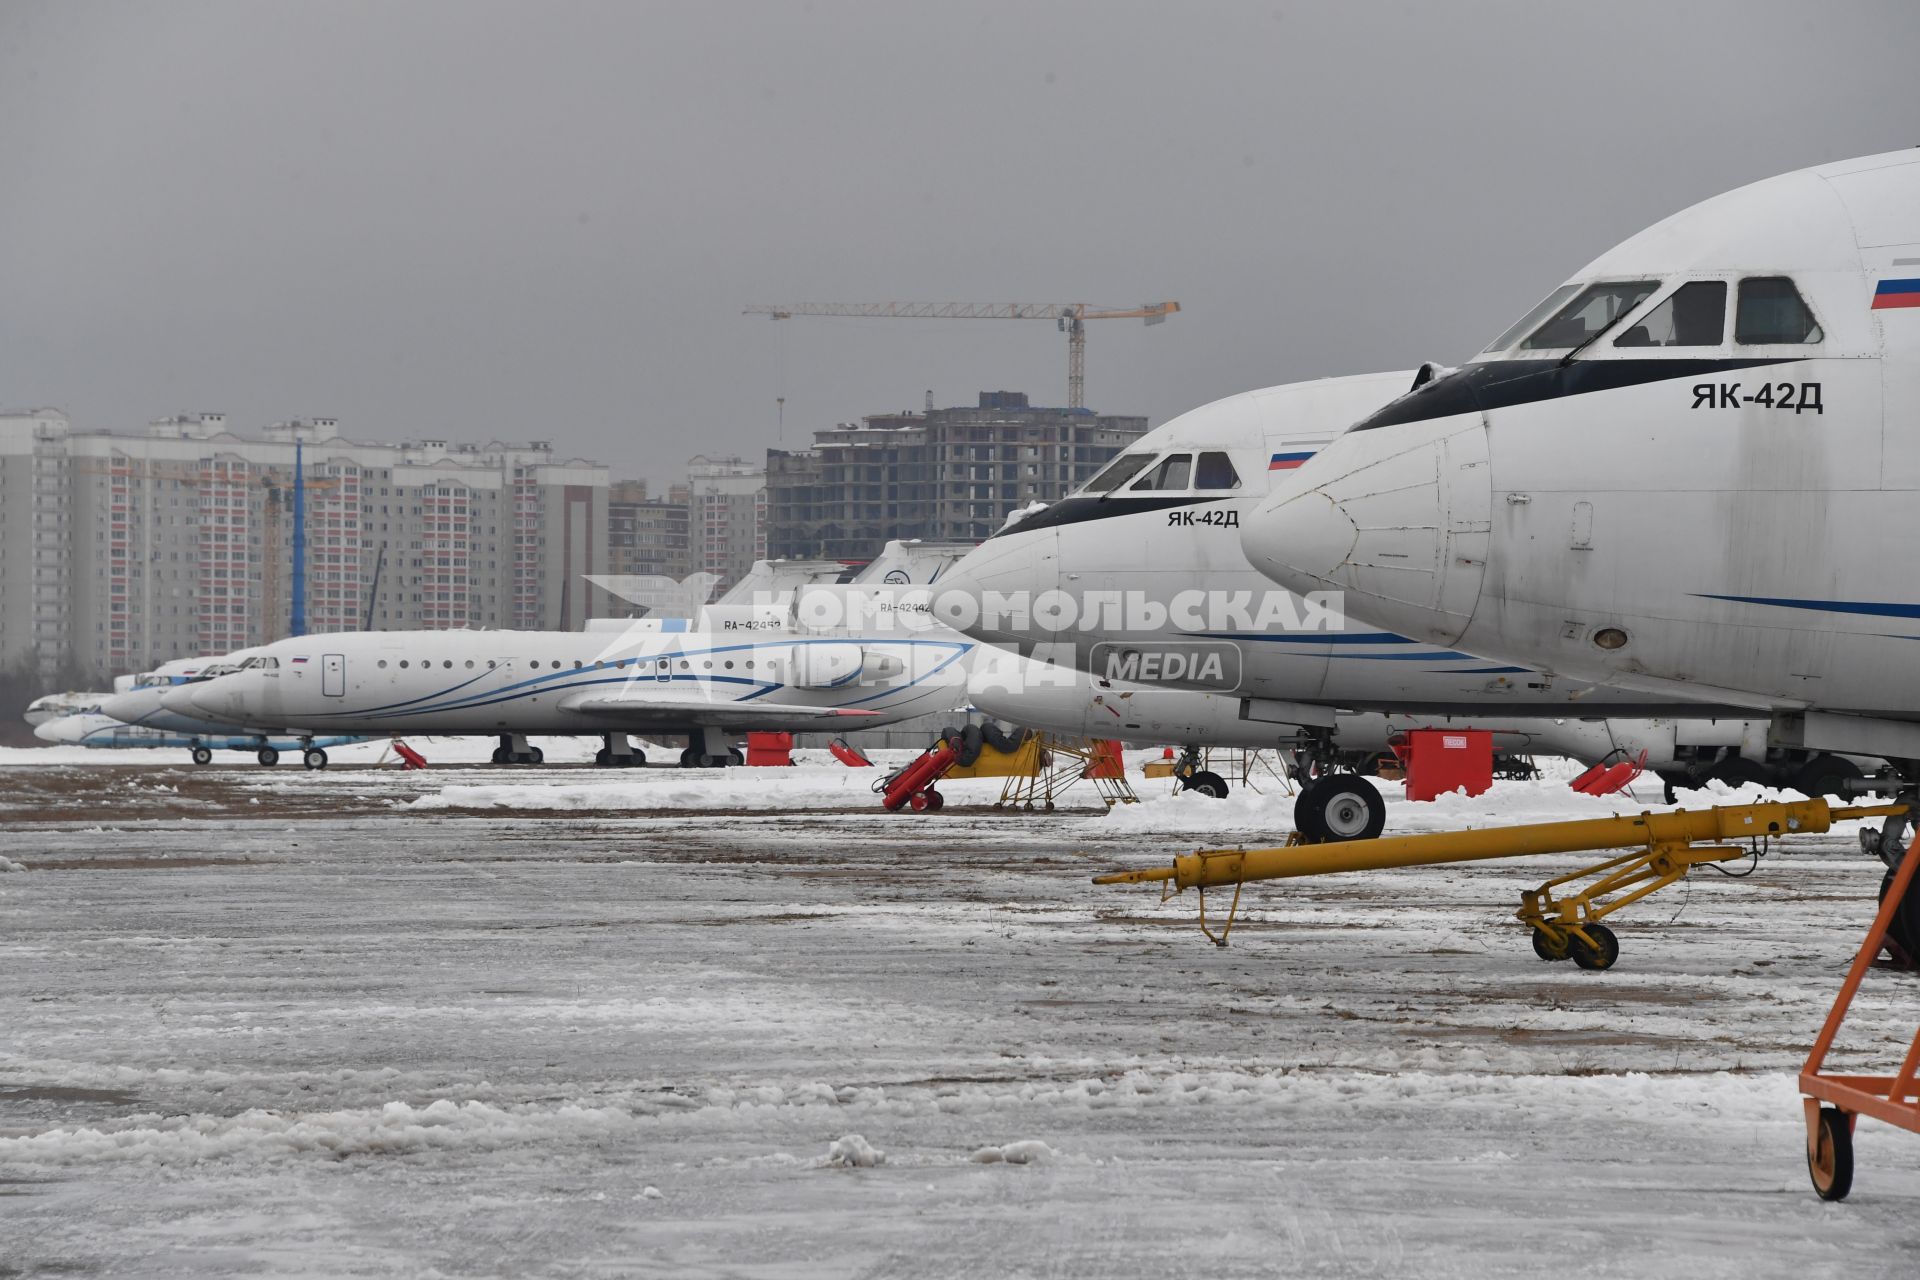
(141, 703)
(1690, 470)
(95, 729)
(1139, 577)
(754, 666)
(52, 706)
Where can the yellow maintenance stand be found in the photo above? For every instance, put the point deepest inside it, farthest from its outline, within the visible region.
(1666, 846)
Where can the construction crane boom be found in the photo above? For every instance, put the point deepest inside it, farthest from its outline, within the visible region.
(1071, 318)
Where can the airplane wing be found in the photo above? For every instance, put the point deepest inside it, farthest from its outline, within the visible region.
(674, 708)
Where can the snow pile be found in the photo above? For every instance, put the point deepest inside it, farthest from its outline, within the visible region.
(8, 864)
(854, 1152)
(1026, 1151)
(394, 1129)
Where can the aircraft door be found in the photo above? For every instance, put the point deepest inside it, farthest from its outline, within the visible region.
(333, 675)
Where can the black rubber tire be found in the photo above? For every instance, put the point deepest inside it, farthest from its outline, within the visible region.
(1339, 807)
(1588, 958)
(1830, 1156)
(536, 756)
(1547, 949)
(603, 757)
(1824, 775)
(637, 760)
(267, 757)
(736, 757)
(499, 755)
(936, 800)
(314, 758)
(1904, 928)
(1206, 783)
(202, 756)
(689, 759)
(1737, 771)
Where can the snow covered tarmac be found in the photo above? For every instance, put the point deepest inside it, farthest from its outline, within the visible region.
(567, 1022)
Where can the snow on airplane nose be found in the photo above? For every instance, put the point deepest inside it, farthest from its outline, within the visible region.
(1396, 519)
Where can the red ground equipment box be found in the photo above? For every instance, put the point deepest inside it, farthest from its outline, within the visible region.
(764, 748)
(1441, 760)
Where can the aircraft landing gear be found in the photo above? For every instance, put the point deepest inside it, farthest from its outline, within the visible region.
(202, 756)
(314, 758)
(1206, 782)
(1337, 807)
(708, 749)
(267, 757)
(617, 753)
(514, 749)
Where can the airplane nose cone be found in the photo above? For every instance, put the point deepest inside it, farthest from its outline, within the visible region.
(1396, 520)
(41, 731)
(131, 707)
(989, 594)
(198, 700)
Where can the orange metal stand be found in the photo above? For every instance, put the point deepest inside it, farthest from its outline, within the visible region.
(1893, 1099)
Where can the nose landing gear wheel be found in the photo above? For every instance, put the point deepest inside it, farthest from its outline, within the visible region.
(314, 758)
(202, 756)
(1830, 1154)
(267, 757)
(1338, 807)
(1206, 783)
(1597, 957)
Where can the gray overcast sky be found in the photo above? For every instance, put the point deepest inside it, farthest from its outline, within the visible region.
(542, 220)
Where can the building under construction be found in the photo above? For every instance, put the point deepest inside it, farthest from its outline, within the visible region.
(945, 475)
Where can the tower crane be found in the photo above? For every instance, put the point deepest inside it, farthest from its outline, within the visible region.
(1069, 317)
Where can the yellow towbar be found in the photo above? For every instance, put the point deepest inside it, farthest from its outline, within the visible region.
(1670, 845)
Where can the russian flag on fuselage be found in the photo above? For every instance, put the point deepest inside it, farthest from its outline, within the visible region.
(1896, 293)
(1288, 461)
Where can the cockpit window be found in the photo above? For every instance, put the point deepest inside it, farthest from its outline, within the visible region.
(1172, 473)
(1118, 472)
(1215, 472)
(1588, 314)
(1772, 311)
(1525, 324)
(1695, 316)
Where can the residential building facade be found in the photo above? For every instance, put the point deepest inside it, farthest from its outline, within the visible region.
(180, 541)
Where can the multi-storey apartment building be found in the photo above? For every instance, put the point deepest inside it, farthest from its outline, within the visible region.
(120, 551)
(726, 517)
(946, 475)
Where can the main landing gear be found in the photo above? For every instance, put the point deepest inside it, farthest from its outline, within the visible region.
(267, 757)
(202, 756)
(708, 748)
(514, 749)
(616, 752)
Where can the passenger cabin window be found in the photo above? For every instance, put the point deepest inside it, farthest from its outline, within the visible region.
(1171, 474)
(1215, 472)
(1772, 311)
(1590, 312)
(1695, 316)
(1118, 472)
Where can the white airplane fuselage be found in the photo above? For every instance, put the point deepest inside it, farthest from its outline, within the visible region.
(1719, 507)
(1170, 563)
(524, 682)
